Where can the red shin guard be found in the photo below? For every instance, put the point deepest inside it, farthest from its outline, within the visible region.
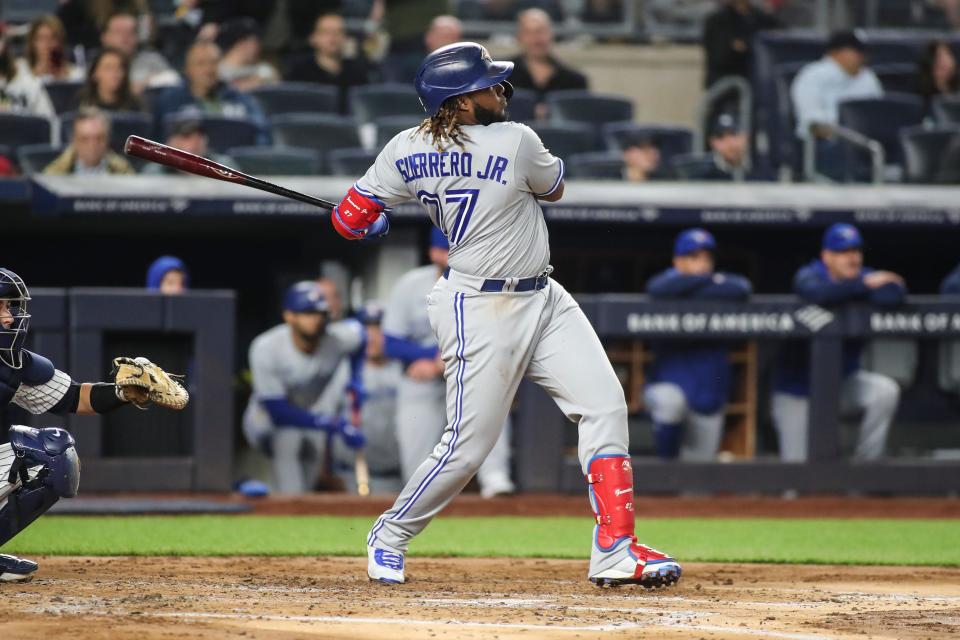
(611, 495)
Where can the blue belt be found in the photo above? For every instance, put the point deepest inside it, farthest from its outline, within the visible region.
(494, 285)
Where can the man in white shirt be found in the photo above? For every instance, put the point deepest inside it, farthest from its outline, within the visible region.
(817, 91)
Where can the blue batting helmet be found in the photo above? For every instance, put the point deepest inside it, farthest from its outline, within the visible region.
(370, 313)
(305, 296)
(456, 69)
(14, 292)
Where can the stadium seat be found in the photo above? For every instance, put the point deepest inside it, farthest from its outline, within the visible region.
(150, 96)
(389, 126)
(321, 131)
(583, 106)
(781, 125)
(691, 166)
(17, 129)
(63, 94)
(350, 162)
(946, 109)
(522, 106)
(898, 78)
(296, 97)
(122, 124)
(24, 11)
(602, 165)
(373, 101)
(33, 158)
(671, 141)
(880, 119)
(276, 161)
(923, 152)
(222, 133)
(565, 140)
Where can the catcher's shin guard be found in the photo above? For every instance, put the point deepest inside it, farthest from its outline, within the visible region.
(37, 468)
(616, 557)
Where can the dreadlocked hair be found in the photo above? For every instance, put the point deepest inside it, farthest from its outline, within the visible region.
(444, 125)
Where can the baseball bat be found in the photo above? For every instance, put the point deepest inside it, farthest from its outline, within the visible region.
(360, 467)
(183, 161)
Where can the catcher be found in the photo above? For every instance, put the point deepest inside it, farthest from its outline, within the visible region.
(40, 466)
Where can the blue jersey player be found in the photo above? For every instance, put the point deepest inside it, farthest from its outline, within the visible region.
(690, 380)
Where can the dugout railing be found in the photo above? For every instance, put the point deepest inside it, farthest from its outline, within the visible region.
(545, 463)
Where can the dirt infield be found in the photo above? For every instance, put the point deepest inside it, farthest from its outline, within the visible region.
(287, 598)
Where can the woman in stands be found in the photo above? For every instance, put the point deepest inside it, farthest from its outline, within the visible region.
(20, 93)
(938, 71)
(108, 84)
(46, 52)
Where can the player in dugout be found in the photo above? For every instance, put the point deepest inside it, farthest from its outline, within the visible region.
(690, 380)
(40, 466)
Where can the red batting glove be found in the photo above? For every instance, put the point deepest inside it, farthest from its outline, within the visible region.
(355, 214)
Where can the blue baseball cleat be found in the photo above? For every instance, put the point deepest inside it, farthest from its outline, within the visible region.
(385, 565)
(14, 569)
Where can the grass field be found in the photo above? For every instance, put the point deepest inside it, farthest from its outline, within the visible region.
(863, 541)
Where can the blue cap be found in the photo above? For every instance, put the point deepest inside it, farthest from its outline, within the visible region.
(370, 313)
(163, 265)
(842, 237)
(693, 240)
(438, 240)
(305, 296)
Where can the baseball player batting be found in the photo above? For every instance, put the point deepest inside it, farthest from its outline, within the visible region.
(496, 312)
(40, 466)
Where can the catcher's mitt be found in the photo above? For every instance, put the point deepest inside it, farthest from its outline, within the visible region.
(142, 383)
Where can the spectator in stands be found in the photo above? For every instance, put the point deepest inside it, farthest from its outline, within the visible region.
(728, 38)
(190, 136)
(86, 19)
(821, 86)
(203, 93)
(689, 382)
(327, 63)
(939, 75)
(168, 275)
(836, 278)
(241, 66)
(729, 149)
(147, 67)
(89, 152)
(402, 66)
(536, 68)
(46, 56)
(108, 84)
(641, 159)
(21, 92)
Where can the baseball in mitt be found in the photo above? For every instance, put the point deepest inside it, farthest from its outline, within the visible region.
(143, 383)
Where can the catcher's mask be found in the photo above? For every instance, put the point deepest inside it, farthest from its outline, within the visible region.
(15, 294)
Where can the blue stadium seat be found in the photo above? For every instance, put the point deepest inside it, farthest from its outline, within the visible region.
(691, 166)
(565, 140)
(350, 162)
(389, 126)
(24, 11)
(276, 161)
(122, 124)
(946, 109)
(33, 158)
(602, 165)
(671, 141)
(882, 118)
(781, 127)
(222, 132)
(63, 94)
(17, 129)
(150, 96)
(372, 101)
(898, 78)
(592, 108)
(296, 97)
(522, 106)
(924, 150)
(321, 131)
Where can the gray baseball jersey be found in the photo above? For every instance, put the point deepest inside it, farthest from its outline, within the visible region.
(481, 197)
(378, 416)
(406, 313)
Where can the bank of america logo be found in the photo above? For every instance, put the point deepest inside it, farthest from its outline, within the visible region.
(813, 317)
